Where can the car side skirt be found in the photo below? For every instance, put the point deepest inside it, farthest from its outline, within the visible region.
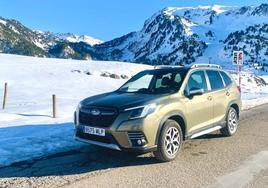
(207, 130)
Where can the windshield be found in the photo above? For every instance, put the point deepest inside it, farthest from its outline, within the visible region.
(155, 82)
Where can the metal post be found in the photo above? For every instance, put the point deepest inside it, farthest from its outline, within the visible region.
(5, 96)
(54, 109)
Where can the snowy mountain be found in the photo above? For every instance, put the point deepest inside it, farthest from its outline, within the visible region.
(174, 35)
(164, 39)
(15, 38)
(182, 35)
(67, 37)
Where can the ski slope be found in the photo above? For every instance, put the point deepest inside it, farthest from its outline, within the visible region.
(27, 130)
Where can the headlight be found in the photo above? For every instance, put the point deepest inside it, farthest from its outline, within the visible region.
(141, 111)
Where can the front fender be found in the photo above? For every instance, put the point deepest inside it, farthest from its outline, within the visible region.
(168, 116)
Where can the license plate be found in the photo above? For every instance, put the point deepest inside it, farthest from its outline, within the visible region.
(94, 131)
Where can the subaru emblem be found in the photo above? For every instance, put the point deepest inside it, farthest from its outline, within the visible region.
(95, 112)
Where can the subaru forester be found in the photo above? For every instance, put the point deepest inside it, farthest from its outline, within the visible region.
(156, 110)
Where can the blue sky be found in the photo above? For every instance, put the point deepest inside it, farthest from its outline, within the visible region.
(104, 19)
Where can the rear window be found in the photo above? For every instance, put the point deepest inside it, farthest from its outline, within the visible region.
(226, 78)
(215, 80)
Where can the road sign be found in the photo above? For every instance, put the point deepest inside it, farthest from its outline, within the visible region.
(238, 57)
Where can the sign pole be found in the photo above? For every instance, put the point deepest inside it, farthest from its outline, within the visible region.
(239, 66)
(238, 57)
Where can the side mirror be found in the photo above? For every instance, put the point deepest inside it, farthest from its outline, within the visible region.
(196, 91)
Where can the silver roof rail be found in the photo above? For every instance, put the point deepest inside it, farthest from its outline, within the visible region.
(206, 65)
(167, 66)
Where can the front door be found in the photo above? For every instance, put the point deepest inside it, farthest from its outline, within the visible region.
(199, 108)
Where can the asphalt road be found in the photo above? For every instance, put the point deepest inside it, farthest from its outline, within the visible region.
(209, 161)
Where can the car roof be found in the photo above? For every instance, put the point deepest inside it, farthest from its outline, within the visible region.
(188, 67)
(169, 69)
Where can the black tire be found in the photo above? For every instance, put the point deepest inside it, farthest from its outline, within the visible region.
(229, 129)
(163, 154)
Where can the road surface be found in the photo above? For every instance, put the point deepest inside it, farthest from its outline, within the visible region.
(209, 161)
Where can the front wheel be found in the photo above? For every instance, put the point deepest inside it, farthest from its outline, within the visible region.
(170, 141)
(231, 123)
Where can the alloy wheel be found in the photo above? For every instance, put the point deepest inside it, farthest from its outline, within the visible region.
(232, 121)
(172, 141)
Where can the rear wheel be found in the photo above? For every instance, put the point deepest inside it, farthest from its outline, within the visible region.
(231, 123)
(170, 141)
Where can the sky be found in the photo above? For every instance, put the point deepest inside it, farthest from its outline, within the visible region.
(102, 19)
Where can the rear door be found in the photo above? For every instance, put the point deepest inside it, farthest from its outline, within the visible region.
(199, 108)
(219, 95)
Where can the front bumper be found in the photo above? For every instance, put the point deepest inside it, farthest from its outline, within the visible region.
(116, 147)
(111, 146)
(124, 135)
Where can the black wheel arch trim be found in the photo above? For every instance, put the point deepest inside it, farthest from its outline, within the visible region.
(233, 102)
(164, 119)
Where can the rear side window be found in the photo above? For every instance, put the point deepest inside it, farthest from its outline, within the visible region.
(226, 78)
(215, 80)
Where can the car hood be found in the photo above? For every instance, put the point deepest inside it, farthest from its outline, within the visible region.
(121, 100)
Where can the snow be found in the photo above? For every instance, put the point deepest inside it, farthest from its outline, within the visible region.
(187, 24)
(253, 94)
(27, 130)
(219, 9)
(83, 38)
(39, 44)
(3, 22)
(14, 29)
(65, 36)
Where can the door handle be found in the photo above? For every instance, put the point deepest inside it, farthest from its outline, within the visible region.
(228, 93)
(209, 98)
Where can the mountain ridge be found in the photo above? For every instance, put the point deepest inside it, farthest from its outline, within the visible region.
(181, 35)
(191, 35)
(15, 38)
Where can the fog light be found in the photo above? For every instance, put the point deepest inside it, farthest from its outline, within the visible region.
(137, 138)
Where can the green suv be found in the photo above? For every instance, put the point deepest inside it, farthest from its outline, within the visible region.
(156, 110)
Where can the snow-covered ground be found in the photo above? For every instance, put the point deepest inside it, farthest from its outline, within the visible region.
(254, 88)
(27, 130)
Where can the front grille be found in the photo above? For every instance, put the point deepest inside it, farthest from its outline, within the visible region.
(105, 118)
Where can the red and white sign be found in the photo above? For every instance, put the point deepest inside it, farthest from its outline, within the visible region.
(238, 57)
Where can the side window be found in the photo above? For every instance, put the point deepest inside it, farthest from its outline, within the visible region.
(215, 79)
(226, 78)
(197, 80)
